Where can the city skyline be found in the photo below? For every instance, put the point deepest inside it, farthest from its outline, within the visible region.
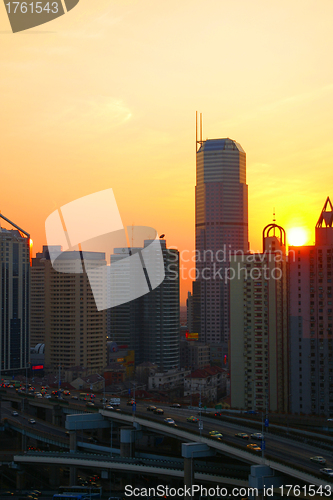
(104, 97)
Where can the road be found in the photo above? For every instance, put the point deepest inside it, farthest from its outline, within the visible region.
(284, 448)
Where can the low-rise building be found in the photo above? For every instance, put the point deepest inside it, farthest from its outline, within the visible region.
(210, 382)
(168, 380)
(194, 354)
(122, 355)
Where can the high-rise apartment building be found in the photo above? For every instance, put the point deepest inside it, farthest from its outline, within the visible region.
(64, 306)
(150, 324)
(259, 326)
(221, 227)
(14, 299)
(311, 323)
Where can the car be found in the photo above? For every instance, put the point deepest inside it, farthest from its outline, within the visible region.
(175, 405)
(318, 460)
(47, 396)
(31, 421)
(257, 435)
(242, 435)
(90, 403)
(109, 407)
(14, 413)
(217, 436)
(169, 421)
(253, 447)
(327, 472)
(74, 397)
(330, 420)
(192, 419)
(67, 393)
(92, 440)
(151, 408)
(158, 411)
(218, 414)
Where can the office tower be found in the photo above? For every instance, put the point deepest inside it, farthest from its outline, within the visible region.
(125, 321)
(150, 323)
(259, 326)
(221, 226)
(75, 332)
(311, 330)
(14, 299)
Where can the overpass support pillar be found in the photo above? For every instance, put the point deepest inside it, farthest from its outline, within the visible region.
(127, 442)
(189, 452)
(72, 476)
(24, 441)
(54, 476)
(262, 477)
(56, 415)
(72, 441)
(20, 479)
(188, 474)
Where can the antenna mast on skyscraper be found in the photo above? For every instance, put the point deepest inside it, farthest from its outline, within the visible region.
(198, 141)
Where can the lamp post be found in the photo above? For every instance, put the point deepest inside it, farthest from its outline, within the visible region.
(200, 421)
(26, 378)
(262, 437)
(111, 436)
(103, 390)
(59, 382)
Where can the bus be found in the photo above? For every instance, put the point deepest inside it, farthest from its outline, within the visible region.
(78, 493)
(84, 491)
(71, 496)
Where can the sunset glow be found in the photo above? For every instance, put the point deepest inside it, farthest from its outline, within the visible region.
(105, 97)
(297, 236)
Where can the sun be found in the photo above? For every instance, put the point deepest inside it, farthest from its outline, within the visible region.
(297, 236)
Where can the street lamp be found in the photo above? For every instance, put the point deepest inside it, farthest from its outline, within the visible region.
(200, 421)
(59, 378)
(103, 390)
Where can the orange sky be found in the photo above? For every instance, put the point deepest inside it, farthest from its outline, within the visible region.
(105, 96)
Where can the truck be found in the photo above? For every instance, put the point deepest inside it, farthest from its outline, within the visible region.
(115, 401)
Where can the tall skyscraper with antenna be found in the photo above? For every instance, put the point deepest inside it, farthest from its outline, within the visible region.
(14, 298)
(221, 227)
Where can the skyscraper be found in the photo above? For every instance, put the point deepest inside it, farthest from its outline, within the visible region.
(311, 323)
(221, 226)
(150, 324)
(74, 331)
(259, 326)
(14, 298)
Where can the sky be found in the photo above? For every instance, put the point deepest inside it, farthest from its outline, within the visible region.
(105, 96)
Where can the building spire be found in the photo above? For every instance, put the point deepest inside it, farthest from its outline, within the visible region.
(326, 216)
